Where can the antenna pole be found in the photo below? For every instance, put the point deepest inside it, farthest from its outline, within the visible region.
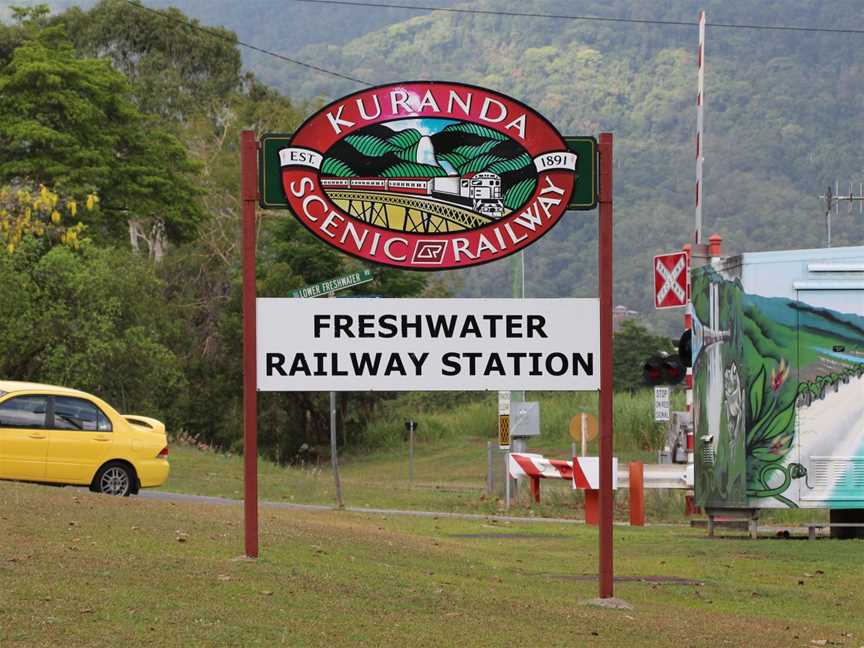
(832, 201)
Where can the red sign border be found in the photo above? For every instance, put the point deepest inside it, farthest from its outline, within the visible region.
(564, 207)
(686, 279)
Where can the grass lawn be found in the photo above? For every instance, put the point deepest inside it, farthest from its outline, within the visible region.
(450, 459)
(447, 477)
(77, 569)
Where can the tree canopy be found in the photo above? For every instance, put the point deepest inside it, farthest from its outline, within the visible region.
(69, 122)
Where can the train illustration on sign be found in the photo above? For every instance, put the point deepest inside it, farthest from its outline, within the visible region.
(480, 191)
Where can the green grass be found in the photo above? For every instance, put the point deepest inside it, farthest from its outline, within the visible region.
(449, 463)
(83, 570)
(450, 415)
(447, 478)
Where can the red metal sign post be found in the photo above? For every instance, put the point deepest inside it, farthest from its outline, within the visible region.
(606, 577)
(249, 200)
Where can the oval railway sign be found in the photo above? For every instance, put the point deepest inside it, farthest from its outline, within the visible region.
(428, 175)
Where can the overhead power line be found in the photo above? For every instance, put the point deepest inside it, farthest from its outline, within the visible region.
(638, 21)
(255, 48)
(457, 10)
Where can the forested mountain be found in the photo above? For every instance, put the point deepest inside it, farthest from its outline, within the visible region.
(271, 24)
(784, 118)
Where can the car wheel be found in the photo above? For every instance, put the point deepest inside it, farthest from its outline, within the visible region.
(114, 479)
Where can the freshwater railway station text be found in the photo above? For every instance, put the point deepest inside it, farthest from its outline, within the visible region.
(423, 344)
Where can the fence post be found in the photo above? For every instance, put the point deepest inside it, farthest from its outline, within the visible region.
(637, 493)
(535, 489)
(490, 469)
(592, 506)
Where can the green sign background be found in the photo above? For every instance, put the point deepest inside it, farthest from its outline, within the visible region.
(271, 194)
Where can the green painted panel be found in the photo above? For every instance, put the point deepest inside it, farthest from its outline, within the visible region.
(271, 195)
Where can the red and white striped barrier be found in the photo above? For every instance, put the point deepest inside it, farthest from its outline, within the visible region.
(523, 464)
(583, 473)
(586, 475)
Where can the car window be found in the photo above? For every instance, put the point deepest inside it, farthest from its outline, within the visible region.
(24, 412)
(103, 422)
(78, 414)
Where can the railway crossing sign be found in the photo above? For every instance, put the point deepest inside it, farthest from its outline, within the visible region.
(671, 287)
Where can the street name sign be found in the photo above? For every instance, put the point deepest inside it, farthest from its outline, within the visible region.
(670, 280)
(428, 344)
(327, 287)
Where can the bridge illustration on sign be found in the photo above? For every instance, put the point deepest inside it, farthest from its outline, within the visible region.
(425, 205)
(428, 175)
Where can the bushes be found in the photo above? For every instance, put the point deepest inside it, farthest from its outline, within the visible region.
(93, 319)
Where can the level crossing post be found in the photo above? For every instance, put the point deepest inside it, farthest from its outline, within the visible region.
(248, 199)
(606, 577)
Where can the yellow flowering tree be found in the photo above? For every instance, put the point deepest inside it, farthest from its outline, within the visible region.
(40, 213)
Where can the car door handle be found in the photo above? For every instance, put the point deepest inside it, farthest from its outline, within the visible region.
(101, 439)
(37, 436)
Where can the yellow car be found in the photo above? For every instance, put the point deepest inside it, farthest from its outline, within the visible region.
(63, 436)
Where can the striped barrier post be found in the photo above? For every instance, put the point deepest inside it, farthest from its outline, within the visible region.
(689, 507)
(700, 123)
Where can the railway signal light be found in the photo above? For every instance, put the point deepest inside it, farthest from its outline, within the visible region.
(663, 369)
(685, 348)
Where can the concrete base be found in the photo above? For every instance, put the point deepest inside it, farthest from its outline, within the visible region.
(610, 603)
(750, 516)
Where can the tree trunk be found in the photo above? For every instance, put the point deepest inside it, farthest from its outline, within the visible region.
(134, 234)
(157, 241)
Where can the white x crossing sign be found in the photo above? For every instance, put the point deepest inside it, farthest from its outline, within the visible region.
(670, 280)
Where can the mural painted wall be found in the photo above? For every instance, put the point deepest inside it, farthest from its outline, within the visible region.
(778, 396)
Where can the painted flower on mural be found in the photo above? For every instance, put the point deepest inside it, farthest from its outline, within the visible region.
(779, 376)
(771, 432)
(781, 446)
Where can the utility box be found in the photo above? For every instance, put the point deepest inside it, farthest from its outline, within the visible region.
(778, 380)
(524, 418)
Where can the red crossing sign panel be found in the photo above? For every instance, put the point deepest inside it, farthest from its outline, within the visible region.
(671, 288)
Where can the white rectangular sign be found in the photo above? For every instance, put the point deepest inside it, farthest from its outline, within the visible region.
(661, 403)
(503, 403)
(428, 344)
